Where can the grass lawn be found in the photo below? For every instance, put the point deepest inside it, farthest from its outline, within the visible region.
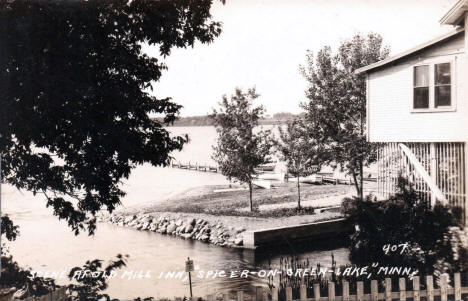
(234, 203)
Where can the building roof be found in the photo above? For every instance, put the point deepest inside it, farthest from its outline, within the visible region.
(404, 54)
(455, 15)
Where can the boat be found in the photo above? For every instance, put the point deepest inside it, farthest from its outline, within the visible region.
(272, 176)
(267, 167)
(312, 179)
(262, 183)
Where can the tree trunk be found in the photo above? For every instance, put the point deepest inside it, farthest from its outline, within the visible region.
(356, 185)
(298, 194)
(361, 180)
(250, 196)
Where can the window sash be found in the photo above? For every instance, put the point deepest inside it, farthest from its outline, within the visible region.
(442, 85)
(432, 86)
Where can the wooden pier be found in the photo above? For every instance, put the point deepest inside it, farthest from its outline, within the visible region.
(196, 166)
(327, 177)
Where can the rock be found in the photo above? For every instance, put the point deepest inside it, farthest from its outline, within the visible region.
(146, 219)
(171, 228)
(204, 238)
(191, 221)
(239, 241)
(162, 230)
(188, 228)
(146, 226)
(179, 222)
(153, 227)
(186, 235)
(129, 218)
(180, 229)
(240, 229)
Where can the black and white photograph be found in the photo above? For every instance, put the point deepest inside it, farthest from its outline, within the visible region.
(234, 150)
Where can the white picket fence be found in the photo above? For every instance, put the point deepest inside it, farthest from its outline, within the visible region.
(430, 293)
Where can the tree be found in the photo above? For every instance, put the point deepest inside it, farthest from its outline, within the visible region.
(299, 151)
(75, 95)
(240, 148)
(336, 106)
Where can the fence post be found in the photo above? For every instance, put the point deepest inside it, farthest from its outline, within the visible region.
(331, 291)
(360, 291)
(374, 291)
(317, 292)
(240, 296)
(457, 284)
(388, 289)
(345, 290)
(264, 295)
(443, 288)
(289, 293)
(430, 288)
(274, 294)
(303, 292)
(258, 293)
(416, 293)
(402, 286)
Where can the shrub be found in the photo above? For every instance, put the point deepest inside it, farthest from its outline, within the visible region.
(435, 241)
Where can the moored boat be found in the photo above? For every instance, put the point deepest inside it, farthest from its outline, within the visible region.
(272, 176)
(267, 167)
(312, 179)
(262, 183)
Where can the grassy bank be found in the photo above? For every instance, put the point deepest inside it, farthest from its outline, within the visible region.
(279, 201)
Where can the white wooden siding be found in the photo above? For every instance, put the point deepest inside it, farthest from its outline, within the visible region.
(390, 100)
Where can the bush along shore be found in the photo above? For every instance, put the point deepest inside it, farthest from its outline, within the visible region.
(189, 228)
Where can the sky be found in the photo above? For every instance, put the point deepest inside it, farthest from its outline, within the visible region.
(264, 42)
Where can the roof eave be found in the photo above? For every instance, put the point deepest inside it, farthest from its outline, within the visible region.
(404, 54)
(455, 15)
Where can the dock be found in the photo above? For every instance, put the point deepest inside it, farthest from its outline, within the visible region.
(327, 177)
(196, 166)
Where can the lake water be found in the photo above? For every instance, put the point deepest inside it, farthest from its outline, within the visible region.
(48, 244)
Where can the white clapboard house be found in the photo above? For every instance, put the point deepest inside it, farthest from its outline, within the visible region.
(417, 108)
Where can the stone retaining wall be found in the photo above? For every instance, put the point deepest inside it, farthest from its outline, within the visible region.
(176, 225)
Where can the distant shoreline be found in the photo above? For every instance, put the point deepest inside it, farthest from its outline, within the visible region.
(205, 120)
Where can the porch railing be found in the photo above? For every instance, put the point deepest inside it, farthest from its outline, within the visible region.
(437, 170)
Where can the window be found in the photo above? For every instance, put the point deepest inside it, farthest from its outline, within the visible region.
(432, 87)
(442, 85)
(421, 87)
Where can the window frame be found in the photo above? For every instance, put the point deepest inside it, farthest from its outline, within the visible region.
(431, 64)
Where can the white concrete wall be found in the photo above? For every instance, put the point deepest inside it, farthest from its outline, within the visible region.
(391, 117)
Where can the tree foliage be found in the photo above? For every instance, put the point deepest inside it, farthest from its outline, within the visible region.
(434, 243)
(336, 106)
(91, 279)
(75, 89)
(240, 147)
(299, 150)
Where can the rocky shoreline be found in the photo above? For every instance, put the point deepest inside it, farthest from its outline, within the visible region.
(214, 232)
